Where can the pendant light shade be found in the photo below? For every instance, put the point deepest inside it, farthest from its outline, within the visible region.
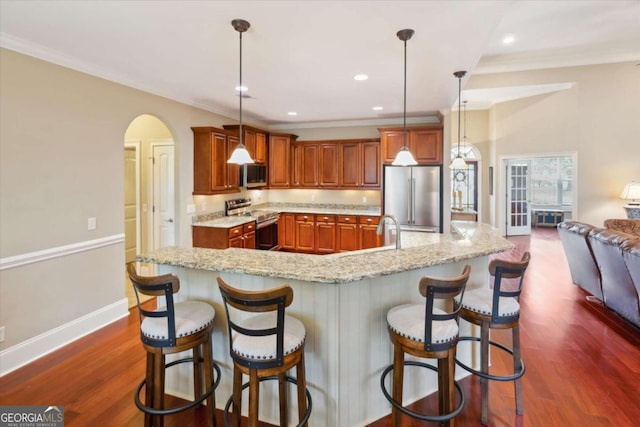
(240, 155)
(404, 156)
(458, 162)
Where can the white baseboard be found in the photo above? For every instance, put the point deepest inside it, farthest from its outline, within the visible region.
(26, 352)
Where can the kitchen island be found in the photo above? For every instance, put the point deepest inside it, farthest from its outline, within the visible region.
(342, 299)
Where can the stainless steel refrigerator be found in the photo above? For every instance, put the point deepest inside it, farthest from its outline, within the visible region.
(413, 195)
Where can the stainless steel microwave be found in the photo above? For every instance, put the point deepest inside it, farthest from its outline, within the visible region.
(253, 175)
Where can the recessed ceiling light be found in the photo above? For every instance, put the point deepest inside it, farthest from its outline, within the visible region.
(508, 39)
(377, 108)
(242, 88)
(292, 113)
(360, 77)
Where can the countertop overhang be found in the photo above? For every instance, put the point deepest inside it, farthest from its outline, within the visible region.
(467, 240)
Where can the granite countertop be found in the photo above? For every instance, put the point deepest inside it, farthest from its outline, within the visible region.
(419, 249)
(233, 221)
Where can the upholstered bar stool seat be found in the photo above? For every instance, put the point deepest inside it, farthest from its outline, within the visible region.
(425, 331)
(169, 329)
(264, 346)
(497, 308)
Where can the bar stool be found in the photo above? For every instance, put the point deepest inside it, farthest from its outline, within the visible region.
(497, 308)
(174, 328)
(264, 347)
(425, 331)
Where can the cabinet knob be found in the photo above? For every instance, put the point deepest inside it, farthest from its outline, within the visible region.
(347, 219)
(305, 217)
(368, 219)
(236, 231)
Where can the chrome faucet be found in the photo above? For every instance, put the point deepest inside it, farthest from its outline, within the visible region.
(395, 221)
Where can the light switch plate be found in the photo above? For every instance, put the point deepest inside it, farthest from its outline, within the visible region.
(91, 223)
(191, 209)
(2, 337)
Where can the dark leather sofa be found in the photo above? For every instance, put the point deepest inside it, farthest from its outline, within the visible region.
(606, 263)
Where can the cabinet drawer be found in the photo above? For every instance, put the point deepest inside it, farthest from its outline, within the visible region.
(372, 220)
(347, 219)
(249, 227)
(325, 218)
(235, 231)
(305, 217)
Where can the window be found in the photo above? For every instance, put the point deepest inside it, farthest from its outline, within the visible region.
(552, 182)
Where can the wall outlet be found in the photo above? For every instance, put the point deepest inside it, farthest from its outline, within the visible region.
(364, 199)
(91, 223)
(2, 334)
(203, 207)
(191, 209)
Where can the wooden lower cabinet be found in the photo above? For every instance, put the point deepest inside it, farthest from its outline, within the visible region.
(287, 231)
(325, 234)
(305, 233)
(241, 236)
(368, 237)
(347, 233)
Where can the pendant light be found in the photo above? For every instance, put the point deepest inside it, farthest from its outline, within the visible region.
(458, 162)
(404, 156)
(240, 155)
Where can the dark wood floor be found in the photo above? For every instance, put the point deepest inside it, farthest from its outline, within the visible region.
(582, 362)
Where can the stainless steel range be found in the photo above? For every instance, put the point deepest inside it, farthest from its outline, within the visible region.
(266, 222)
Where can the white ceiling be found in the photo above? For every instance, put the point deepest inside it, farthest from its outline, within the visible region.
(302, 55)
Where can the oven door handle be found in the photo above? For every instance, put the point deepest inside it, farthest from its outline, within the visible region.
(266, 223)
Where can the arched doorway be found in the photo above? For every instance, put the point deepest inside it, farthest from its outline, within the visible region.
(149, 207)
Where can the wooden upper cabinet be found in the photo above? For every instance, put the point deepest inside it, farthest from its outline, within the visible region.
(370, 164)
(308, 164)
(280, 160)
(211, 172)
(254, 139)
(328, 166)
(424, 142)
(350, 164)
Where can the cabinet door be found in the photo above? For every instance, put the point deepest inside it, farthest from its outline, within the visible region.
(249, 240)
(250, 142)
(350, 164)
(391, 143)
(305, 233)
(370, 165)
(325, 234)
(367, 230)
(233, 170)
(328, 157)
(287, 231)
(219, 166)
(426, 145)
(347, 234)
(261, 148)
(309, 165)
(279, 161)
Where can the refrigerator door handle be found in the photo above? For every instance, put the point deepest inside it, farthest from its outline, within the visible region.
(413, 201)
(409, 188)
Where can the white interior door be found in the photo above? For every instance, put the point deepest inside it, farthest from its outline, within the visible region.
(163, 197)
(518, 209)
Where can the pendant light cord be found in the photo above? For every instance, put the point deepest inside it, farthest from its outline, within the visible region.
(240, 138)
(459, 97)
(404, 116)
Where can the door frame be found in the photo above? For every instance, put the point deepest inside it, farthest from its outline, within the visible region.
(137, 145)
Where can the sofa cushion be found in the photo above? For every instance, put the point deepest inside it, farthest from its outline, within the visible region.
(628, 226)
(582, 264)
(618, 290)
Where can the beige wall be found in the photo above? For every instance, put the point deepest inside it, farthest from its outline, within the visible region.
(598, 118)
(61, 162)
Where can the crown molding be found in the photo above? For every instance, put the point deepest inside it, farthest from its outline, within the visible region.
(358, 122)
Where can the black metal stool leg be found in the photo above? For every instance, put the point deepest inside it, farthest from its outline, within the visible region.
(484, 367)
(517, 367)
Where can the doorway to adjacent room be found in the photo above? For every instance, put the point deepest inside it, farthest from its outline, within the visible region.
(149, 196)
